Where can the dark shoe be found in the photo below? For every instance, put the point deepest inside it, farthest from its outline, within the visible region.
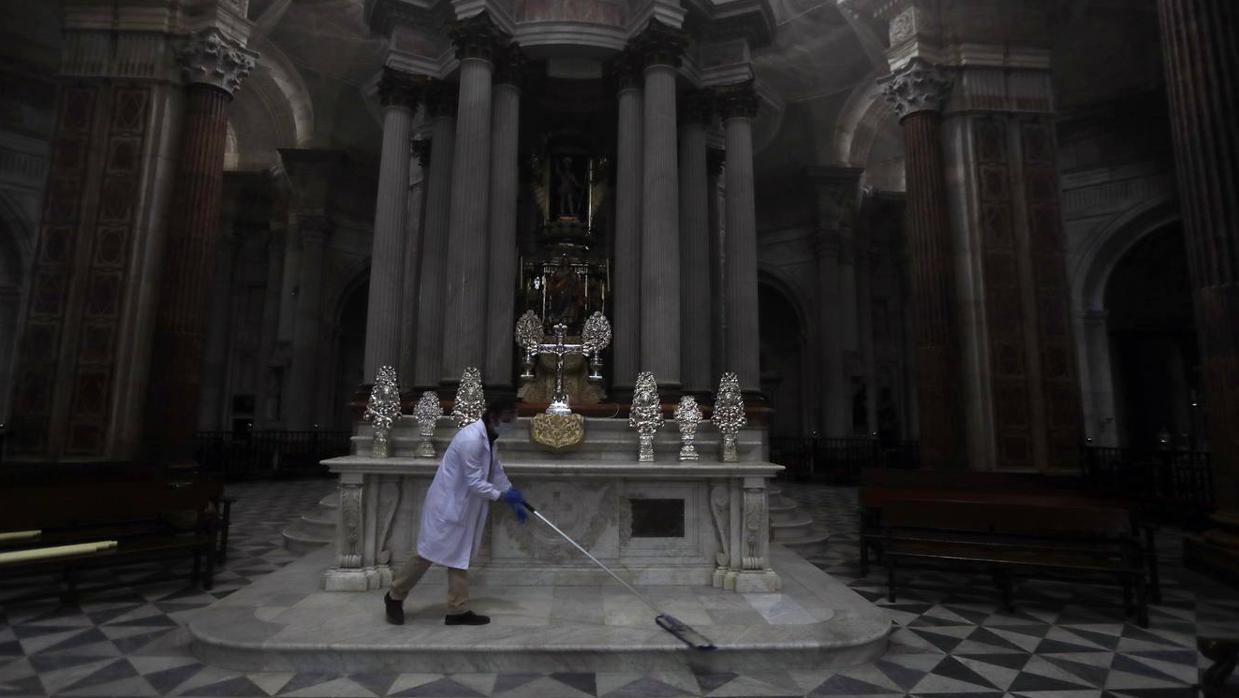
(395, 609)
(466, 618)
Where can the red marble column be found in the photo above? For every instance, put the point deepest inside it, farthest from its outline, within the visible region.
(1200, 45)
(188, 260)
(917, 92)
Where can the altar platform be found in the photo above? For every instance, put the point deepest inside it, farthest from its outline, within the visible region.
(285, 622)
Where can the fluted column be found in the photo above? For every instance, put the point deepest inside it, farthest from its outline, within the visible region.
(501, 288)
(270, 375)
(737, 107)
(696, 290)
(441, 108)
(399, 97)
(917, 92)
(715, 159)
(464, 332)
(419, 163)
(625, 71)
(214, 70)
(660, 245)
(1200, 44)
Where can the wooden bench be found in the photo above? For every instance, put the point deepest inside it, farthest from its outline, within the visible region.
(1013, 490)
(1096, 544)
(155, 519)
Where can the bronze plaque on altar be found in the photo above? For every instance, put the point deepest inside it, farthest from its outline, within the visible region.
(557, 432)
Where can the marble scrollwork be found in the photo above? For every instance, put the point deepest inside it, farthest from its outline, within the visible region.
(350, 526)
(756, 528)
(720, 511)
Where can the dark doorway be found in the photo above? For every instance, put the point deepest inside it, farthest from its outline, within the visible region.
(782, 361)
(350, 351)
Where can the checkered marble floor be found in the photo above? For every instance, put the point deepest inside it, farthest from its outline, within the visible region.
(951, 638)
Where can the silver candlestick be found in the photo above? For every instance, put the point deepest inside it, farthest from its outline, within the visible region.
(427, 413)
(645, 415)
(687, 417)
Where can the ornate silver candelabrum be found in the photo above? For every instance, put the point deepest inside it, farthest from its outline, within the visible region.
(595, 336)
(687, 417)
(427, 413)
(383, 409)
(646, 414)
(728, 415)
(470, 400)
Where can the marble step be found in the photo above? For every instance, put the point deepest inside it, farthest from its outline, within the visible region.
(784, 516)
(300, 541)
(809, 542)
(330, 501)
(781, 531)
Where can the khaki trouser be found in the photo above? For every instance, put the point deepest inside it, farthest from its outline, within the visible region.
(405, 578)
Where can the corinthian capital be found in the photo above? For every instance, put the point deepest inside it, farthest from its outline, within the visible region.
(210, 58)
(659, 44)
(917, 86)
(477, 37)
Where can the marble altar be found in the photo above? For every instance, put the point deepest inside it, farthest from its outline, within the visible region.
(702, 523)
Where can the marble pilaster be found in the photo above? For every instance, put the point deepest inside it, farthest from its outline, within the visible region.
(737, 107)
(504, 188)
(696, 289)
(419, 164)
(213, 67)
(625, 71)
(441, 108)
(270, 375)
(464, 330)
(660, 47)
(399, 95)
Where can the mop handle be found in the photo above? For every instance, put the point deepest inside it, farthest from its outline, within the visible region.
(638, 594)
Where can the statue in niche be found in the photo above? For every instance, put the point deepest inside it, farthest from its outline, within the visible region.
(566, 295)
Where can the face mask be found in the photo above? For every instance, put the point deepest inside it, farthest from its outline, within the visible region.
(503, 428)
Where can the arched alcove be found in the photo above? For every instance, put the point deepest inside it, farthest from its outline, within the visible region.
(349, 349)
(782, 351)
(1152, 337)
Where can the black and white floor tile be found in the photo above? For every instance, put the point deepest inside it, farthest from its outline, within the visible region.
(951, 640)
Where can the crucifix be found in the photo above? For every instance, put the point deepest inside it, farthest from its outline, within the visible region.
(595, 336)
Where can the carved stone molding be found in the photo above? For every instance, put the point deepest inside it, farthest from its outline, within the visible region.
(477, 37)
(918, 86)
(209, 58)
(659, 44)
(738, 100)
(400, 89)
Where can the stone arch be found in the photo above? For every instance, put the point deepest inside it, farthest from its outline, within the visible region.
(272, 110)
(347, 333)
(1090, 274)
(867, 135)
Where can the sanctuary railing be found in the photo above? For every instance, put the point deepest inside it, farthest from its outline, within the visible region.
(1174, 484)
(839, 460)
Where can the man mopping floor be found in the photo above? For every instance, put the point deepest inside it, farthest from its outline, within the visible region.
(454, 514)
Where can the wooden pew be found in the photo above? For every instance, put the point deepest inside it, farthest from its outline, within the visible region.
(1097, 544)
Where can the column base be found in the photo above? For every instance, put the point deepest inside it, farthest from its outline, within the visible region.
(758, 582)
(337, 579)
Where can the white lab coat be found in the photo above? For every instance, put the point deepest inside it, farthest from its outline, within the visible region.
(454, 513)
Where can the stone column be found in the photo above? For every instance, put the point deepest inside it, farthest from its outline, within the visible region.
(1200, 43)
(718, 262)
(441, 109)
(213, 70)
(917, 92)
(625, 71)
(737, 107)
(399, 96)
(836, 188)
(696, 291)
(419, 163)
(504, 188)
(215, 361)
(270, 376)
(660, 46)
(464, 329)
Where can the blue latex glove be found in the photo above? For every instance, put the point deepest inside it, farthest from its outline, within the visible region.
(514, 499)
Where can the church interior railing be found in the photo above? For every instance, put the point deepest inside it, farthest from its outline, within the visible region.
(1176, 484)
(839, 460)
(239, 455)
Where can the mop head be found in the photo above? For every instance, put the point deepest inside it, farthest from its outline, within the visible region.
(687, 635)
